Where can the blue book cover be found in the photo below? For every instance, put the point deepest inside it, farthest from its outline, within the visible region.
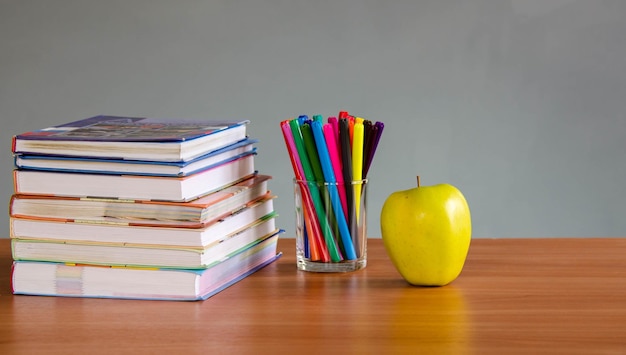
(135, 167)
(132, 138)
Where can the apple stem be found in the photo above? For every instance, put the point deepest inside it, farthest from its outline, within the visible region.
(418, 181)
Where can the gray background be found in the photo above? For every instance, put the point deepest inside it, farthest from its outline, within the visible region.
(518, 103)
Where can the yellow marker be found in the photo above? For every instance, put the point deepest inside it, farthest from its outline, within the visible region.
(357, 163)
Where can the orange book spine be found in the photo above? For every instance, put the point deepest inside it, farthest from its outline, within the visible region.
(15, 184)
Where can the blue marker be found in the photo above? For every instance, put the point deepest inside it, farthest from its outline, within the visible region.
(329, 176)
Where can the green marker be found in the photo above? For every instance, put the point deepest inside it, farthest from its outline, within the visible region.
(335, 256)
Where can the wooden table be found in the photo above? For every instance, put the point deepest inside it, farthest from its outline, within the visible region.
(530, 296)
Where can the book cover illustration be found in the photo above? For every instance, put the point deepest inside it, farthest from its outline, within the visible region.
(130, 129)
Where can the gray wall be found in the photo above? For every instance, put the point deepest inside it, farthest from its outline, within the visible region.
(518, 103)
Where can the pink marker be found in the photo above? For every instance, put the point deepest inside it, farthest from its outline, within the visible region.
(333, 151)
(334, 122)
(291, 149)
(315, 246)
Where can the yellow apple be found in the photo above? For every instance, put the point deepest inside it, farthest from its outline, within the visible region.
(426, 231)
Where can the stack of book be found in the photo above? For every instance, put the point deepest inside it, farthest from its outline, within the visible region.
(126, 207)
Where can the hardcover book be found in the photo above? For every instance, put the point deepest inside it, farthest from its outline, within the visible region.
(122, 233)
(192, 214)
(143, 255)
(135, 167)
(133, 187)
(132, 138)
(75, 280)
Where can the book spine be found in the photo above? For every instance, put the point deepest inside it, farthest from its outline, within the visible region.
(11, 281)
(11, 202)
(16, 187)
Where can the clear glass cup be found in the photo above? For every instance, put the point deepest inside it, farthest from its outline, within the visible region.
(331, 225)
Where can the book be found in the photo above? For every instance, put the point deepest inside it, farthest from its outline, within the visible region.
(135, 167)
(142, 235)
(74, 280)
(132, 138)
(193, 214)
(142, 255)
(133, 187)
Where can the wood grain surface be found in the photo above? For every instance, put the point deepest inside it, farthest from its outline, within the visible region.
(548, 295)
